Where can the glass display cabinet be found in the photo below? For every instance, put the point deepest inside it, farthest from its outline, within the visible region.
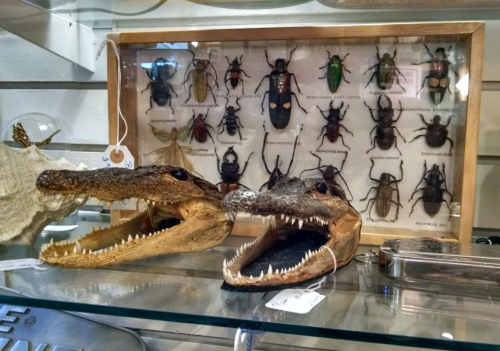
(392, 107)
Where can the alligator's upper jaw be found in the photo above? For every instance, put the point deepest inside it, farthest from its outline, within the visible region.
(190, 206)
(293, 248)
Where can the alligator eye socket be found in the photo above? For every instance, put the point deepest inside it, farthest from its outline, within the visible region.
(179, 173)
(322, 187)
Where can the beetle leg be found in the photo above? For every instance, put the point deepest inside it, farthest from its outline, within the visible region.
(373, 142)
(372, 67)
(396, 145)
(373, 75)
(320, 134)
(373, 187)
(263, 185)
(225, 83)
(187, 78)
(262, 103)
(397, 79)
(423, 84)
(150, 104)
(341, 125)
(239, 132)
(245, 73)
(263, 149)
(298, 103)
(170, 104)
(295, 80)
(255, 92)
(400, 112)
(428, 51)
(416, 130)
(294, 147)
(420, 63)
(451, 143)
(397, 130)
(189, 90)
(420, 198)
(342, 138)
(453, 68)
(347, 186)
(418, 136)
(210, 135)
(242, 86)
(322, 140)
(345, 111)
(245, 166)
(343, 76)
(214, 78)
(171, 88)
(324, 75)
(147, 87)
(212, 92)
(326, 64)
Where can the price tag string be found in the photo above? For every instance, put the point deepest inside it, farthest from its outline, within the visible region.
(119, 114)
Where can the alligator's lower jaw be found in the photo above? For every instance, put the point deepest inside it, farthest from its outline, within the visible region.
(328, 255)
(134, 240)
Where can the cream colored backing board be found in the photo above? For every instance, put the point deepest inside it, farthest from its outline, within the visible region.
(305, 63)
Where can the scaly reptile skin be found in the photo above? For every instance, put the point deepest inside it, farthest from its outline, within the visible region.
(293, 204)
(171, 193)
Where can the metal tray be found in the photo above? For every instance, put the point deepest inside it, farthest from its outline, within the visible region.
(444, 262)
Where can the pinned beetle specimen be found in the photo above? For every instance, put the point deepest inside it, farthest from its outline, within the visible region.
(229, 170)
(199, 79)
(334, 71)
(160, 87)
(329, 173)
(438, 78)
(386, 70)
(276, 172)
(199, 129)
(437, 134)
(383, 199)
(432, 192)
(384, 137)
(234, 71)
(230, 120)
(333, 126)
(280, 92)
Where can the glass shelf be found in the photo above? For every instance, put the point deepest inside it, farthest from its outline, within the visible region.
(360, 304)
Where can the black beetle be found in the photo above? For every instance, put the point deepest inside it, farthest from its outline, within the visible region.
(230, 120)
(334, 72)
(437, 134)
(432, 195)
(383, 199)
(280, 92)
(199, 129)
(333, 126)
(160, 87)
(229, 170)
(234, 71)
(385, 129)
(200, 76)
(438, 78)
(329, 173)
(386, 71)
(276, 172)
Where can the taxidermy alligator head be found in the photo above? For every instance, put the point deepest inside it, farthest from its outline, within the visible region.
(173, 196)
(311, 232)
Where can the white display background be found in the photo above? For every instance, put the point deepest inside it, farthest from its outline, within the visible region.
(306, 60)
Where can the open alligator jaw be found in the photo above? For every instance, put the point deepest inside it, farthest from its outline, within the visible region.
(174, 197)
(310, 233)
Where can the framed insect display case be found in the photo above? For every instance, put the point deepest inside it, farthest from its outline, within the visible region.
(388, 114)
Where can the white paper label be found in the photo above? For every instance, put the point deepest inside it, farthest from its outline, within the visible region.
(10, 265)
(122, 159)
(295, 300)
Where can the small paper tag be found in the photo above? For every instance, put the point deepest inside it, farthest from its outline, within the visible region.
(121, 159)
(10, 265)
(295, 300)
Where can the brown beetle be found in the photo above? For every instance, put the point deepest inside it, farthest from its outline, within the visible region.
(199, 76)
(199, 129)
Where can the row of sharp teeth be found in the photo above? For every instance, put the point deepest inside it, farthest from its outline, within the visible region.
(300, 222)
(227, 272)
(90, 252)
(148, 202)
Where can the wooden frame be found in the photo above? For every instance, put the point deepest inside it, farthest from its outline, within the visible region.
(469, 34)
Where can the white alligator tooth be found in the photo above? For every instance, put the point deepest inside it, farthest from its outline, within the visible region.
(270, 270)
(293, 220)
(65, 253)
(143, 236)
(154, 203)
(116, 246)
(239, 274)
(282, 216)
(229, 273)
(286, 219)
(55, 254)
(311, 219)
(300, 223)
(261, 274)
(149, 234)
(111, 248)
(228, 217)
(136, 236)
(90, 252)
(282, 271)
(51, 240)
(263, 219)
(237, 252)
(84, 252)
(307, 255)
(303, 260)
(251, 276)
(75, 250)
(123, 241)
(129, 238)
(109, 203)
(147, 201)
(310, 253)
(224, 264)
(277, 271)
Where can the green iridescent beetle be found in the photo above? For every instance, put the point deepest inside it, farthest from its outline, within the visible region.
(335, 71)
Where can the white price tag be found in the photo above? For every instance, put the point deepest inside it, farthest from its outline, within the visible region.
(10, 265)
(122, 159)
(295, 300)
